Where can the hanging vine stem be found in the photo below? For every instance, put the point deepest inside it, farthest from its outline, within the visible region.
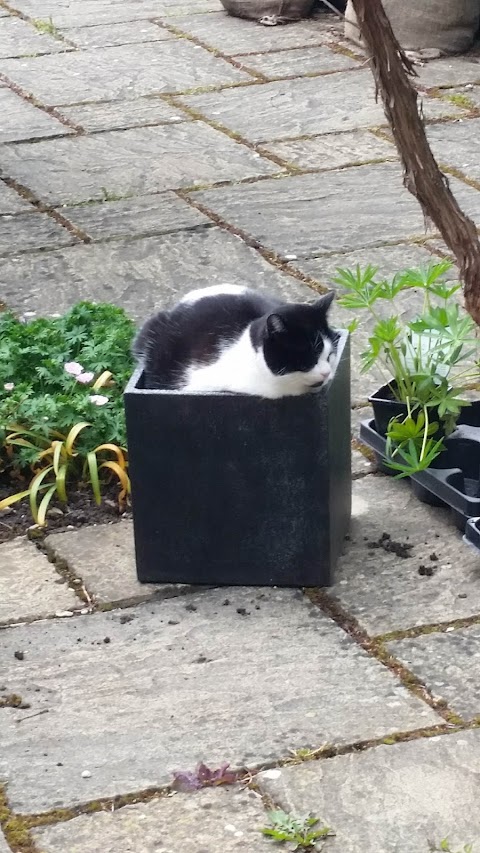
(392, 71)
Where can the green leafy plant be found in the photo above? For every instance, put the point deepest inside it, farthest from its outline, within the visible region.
(444, 847)
(300, 833)
(46, 27)
(61, 406)
(420, 358)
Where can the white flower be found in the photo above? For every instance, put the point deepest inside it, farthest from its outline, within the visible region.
(85, 378)
(98, 399)
(9, 386)
(73, 368)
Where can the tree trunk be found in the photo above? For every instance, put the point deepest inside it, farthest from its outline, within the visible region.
(422, 176)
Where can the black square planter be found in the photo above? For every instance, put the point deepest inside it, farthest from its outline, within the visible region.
(239, 490)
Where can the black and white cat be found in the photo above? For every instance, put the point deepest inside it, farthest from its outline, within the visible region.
(230, 338)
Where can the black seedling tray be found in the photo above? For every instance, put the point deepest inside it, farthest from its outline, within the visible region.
(472, 533)
(454, 478)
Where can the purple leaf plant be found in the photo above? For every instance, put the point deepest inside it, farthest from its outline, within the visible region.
(202, 777)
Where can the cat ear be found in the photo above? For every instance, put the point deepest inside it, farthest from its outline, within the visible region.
(276, 325)
(325, 302)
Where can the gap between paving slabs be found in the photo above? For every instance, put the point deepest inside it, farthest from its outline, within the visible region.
(108, 678)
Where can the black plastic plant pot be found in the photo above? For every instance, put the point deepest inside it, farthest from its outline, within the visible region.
(385, 407)
(238, 490)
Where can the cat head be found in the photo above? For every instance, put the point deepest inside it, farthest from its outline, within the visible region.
(299, 345)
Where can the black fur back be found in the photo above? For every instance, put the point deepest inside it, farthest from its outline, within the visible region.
(194, 333)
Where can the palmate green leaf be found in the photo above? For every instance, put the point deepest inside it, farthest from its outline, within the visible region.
(357, 279)
(353, 326)
(407, 458)
(386, 331)
(425, 277)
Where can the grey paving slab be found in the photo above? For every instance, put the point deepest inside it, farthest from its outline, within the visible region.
(236, 36)
(132, 162)
(21, 120)
(269, 111)
(153, 214)
(361, 466)
(96, 12)
(391, 798)
(33, 230)
(107, 35)
(118, 115)
(3, 844)
(178, 669)
(470, 92)
(302, 60)
(103, 558)
(123, 71)
(435, 108)
(451, 71)
(141, 275)
(389, 260)
(217, 821)
(29, 585)
(385, 592)
(449, 664)
(336, 211)
(334, 150)
(458, 145)
(19, 38)
(11, 202)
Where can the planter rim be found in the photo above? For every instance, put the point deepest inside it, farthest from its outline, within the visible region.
(132, 385)
(379, 394)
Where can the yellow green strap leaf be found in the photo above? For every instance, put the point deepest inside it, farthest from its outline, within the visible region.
(12, 499)
(60, 483)
(94, 479)
(121, 474)
(34, 489)
(72, 436)
(115, 449)
(42, 509)
(102, 380)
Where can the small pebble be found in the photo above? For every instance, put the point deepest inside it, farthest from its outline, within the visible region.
(271, 774)
(290, 257)
(19, 655)
(106, 640)
(63, 613)
(86, 774)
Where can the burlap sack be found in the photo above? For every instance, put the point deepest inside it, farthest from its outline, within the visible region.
(448, 26)
(269, 11)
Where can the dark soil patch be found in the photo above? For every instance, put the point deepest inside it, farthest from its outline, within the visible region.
(401, 549)
(81, 509)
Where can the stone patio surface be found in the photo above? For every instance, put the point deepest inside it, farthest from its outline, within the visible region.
(147, 148)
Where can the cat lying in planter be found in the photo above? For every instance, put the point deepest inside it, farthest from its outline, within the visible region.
(238, 425)
(230, 338)
(420, 404)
